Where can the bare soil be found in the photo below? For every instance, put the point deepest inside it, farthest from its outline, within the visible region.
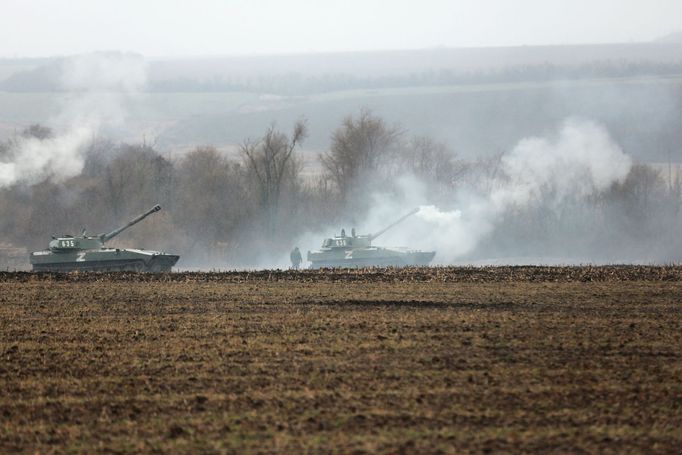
(451, 360)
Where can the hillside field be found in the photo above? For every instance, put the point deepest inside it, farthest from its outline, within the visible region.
(474, 120)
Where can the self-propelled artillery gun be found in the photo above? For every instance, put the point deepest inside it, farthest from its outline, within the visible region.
(358, 251)
(83, 252)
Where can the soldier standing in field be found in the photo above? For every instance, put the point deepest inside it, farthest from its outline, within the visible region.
(296, 258)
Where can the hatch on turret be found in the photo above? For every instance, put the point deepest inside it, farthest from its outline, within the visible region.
(342, 241)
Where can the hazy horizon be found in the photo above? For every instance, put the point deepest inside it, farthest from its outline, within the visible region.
(41, 28)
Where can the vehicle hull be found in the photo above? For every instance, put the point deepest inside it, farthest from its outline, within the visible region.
(370, 258)
(103, 260)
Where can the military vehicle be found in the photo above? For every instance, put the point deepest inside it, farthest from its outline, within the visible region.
(357, 251)
(88, 253)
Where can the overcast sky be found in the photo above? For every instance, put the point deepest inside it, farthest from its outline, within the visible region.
(237, 27)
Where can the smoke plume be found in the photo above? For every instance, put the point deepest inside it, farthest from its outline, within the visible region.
(582, 159)
(579, 160)
(96, 86)
(60, 157)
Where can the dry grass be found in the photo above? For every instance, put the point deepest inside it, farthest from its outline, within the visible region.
(451, 360)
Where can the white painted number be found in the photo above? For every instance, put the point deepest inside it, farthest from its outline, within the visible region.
(68, 243)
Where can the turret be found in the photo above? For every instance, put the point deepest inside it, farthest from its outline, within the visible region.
(69, 243)
(362, 240)
(115, 232)
(356, 250)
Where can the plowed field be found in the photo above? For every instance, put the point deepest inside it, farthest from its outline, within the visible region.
(416, 360)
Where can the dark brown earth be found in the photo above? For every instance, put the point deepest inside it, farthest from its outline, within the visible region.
(415, 360)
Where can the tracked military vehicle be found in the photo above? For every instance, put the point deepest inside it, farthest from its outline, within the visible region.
(358, 251)
(88, 253)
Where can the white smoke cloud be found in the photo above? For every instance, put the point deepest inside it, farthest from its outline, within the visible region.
(98, 84)
(583, 158)
(101, 84)
(104, 72)
(60, 157)
(580, 159)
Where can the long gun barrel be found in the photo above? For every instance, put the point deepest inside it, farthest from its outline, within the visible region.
(115, 232)
(377, 234)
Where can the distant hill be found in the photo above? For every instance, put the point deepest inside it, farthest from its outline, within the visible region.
(317, 73)
(479, 102)
(392, 63)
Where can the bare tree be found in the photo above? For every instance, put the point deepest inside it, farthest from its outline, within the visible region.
(38, 131)
(99, 153)
(136, 178)
(359, 146)
(432, 161)
(269, 161)
(5, 150)
(210, 196)
(34, 131)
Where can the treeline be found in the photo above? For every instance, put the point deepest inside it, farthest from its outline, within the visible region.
(224, 210)
(298, 84)
(47, 78)
(219, 209)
